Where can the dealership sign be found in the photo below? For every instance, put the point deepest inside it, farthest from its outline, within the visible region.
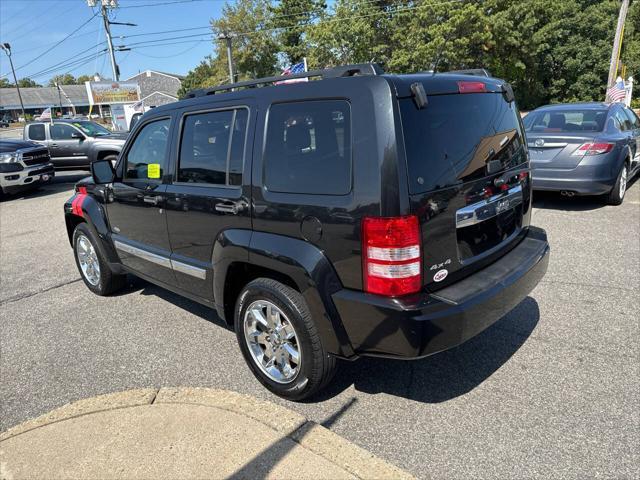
(108, 93)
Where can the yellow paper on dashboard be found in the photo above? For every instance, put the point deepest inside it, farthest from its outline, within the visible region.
(153, 170)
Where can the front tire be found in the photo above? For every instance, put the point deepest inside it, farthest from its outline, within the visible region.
(616, 196)
(93, 267)
(279, 340)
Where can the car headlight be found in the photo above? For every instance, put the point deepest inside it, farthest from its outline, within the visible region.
(11, 157)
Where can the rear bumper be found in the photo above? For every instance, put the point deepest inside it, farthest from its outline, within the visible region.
(425, 324)
(584, 179)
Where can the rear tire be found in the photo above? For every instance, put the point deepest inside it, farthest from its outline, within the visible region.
(93, 267)
(616, 195)
(263, 342)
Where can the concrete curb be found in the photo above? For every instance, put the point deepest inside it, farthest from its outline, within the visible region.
(307, 434)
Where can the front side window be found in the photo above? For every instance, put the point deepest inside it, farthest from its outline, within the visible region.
(308, 148)
(212, 147)
(61, 131)
(633, 118)
(36, 132)
(621, 120)
(147, 157)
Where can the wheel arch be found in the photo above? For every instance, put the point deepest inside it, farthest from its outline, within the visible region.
(242, 257)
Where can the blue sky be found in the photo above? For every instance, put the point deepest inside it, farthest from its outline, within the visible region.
(33, 26)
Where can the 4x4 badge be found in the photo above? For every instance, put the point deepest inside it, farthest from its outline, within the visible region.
(436, 266)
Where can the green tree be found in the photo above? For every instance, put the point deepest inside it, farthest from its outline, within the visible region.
(64, 79)
(352, 31)
(254, 46)
(553, 51)
(292, 20)
(203, 75)
(84, 78)
(4, 83)
(27, 82)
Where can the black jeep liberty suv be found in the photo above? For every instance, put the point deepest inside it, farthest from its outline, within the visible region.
(356, 213)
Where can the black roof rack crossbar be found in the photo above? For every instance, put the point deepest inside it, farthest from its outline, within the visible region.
(341, 71)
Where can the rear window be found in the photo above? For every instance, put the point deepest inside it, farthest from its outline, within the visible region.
(565, 121)
(308, 148)
(454, 137)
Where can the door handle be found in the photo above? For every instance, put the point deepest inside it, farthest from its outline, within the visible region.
(54, 144)
(153, 200)
(230, 207)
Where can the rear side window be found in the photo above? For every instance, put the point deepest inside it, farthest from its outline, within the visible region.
(147, 157)
(308, 148)
(212, 147)
(36, 132)
(565, 121)
(454, 137)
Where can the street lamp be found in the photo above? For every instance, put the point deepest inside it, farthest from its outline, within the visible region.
(7, 49)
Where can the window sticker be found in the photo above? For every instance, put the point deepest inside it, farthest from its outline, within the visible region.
(153, 170)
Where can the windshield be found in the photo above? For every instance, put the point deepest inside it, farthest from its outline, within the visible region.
(454, 137)
(554, 121)
(92, 129)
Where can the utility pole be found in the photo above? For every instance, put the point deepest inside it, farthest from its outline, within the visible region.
(59, 99)
(226, 36)
(7, 49)
(617, 44)
(107, 31)
(104, 6)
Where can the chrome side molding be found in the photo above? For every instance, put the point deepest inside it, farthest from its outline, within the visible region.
(161, 260)
(489, 208)
(197, 272)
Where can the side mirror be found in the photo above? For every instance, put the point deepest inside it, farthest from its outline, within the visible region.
(102, 172)
(78, 135)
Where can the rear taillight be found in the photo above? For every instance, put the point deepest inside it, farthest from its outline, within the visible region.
(392, 263)
(594, 148)
(471, 87)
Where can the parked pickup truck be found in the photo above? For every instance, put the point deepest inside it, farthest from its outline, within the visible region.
(75, 143)
(23, 165)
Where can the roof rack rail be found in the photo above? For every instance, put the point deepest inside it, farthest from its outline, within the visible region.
(335, 72)
(479, 72)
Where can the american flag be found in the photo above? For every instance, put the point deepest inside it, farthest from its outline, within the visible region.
(45, 115)
(292, 70)
(617, 92)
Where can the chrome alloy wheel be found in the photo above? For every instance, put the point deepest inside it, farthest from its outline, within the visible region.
(272, 341)
(88, 260)
(623, 181)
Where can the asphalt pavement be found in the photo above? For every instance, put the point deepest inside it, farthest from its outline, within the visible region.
(550, 391)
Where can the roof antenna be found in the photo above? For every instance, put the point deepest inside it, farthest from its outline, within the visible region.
(436, 61)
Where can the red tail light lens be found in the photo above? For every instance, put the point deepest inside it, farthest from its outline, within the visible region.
(594, 148)
(392, 264)
(471, 87)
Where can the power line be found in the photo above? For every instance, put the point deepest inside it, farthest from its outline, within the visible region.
(31, 20)
(64, 67)
(159, 4)
(55, 45)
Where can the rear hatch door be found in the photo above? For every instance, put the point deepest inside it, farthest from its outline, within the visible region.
(467, 168)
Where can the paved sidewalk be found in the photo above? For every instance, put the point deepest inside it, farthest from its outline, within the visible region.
(181, 433)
